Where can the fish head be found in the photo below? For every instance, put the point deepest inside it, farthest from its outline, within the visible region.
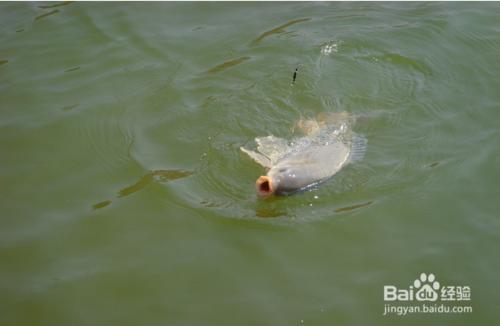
(282, 180)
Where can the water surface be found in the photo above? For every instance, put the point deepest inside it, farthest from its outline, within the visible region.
(126, 200)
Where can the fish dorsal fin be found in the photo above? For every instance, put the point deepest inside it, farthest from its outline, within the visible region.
(272, 147)
(358, 148)
(269, 150)
(257, 157)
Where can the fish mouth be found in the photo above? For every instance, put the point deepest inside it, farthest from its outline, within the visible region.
(264, 186)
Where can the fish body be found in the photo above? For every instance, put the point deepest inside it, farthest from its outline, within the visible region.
(327, 146)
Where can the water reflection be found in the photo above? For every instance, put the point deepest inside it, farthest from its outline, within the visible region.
(153, 176)
(69, 107)
(59, 4)
(227, 64)
(434, 164)
(353, 207)
(278, 30)
(264, 212)
(72, 69)
(102, 204)
(52, 12)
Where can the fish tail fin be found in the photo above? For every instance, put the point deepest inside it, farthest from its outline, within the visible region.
(358, 148)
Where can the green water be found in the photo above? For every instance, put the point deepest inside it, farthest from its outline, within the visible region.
(125, 199)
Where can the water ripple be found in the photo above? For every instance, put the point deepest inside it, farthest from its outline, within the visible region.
(44, 15)
(278, 30)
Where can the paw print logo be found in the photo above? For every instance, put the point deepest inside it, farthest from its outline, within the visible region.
(427, 287)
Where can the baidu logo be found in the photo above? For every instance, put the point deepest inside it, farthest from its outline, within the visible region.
(427, 287)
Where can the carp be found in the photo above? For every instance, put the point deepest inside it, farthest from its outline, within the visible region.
(326, 145)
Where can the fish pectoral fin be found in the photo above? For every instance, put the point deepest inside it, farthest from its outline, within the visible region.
(272, 147)
(257, 157)
(358, 148)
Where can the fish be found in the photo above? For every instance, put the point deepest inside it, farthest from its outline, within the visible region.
(327, 144)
